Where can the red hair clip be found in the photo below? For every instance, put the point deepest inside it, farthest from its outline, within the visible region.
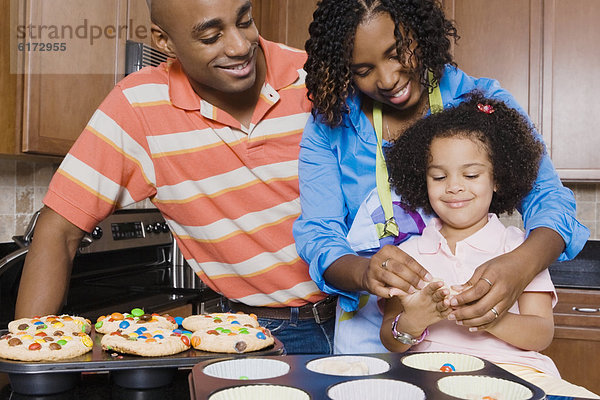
(486, 108)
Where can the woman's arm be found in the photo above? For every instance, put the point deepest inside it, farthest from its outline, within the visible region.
(321, 230)
(535, 319)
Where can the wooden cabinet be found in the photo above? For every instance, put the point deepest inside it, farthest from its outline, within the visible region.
(52, 92)
(545, 53)
(284, 21)
(576, 345)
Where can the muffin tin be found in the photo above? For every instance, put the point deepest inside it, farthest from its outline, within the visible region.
(129, 371)
(296, 375)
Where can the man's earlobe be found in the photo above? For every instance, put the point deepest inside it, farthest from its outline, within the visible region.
(161, 40)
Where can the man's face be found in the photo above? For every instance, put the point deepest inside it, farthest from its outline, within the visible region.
(216, 42)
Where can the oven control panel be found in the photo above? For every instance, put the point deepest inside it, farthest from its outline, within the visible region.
(128, 229)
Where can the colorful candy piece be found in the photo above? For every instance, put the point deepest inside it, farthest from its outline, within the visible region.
(447, 368)
(137, 312)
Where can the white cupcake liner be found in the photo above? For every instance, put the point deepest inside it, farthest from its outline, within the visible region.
(435, 360)
(247, 368)
(260, 392)
(375, 389)
(348, 366)
(477, 387)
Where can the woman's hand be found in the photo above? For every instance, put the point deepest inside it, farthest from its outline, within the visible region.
(496, 284)
(391, 268)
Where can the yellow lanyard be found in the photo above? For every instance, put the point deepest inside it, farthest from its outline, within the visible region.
(390, 227)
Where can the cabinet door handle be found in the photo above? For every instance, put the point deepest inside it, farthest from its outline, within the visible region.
(586, 309)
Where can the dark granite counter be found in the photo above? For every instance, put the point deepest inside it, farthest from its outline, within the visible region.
(583, 272)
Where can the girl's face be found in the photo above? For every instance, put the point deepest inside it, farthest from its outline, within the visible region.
(377, 70)
(460, 184)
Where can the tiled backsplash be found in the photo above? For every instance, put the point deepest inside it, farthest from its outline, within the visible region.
(23, 185)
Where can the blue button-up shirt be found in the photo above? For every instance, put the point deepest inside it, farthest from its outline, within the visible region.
(337, 172)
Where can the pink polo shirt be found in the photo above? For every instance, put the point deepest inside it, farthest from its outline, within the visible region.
(431, 250)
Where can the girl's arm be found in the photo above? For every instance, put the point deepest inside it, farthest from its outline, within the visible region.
(417, 312)
(533, 328)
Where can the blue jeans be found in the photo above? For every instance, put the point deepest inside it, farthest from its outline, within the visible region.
(298, 336)
(302, 336)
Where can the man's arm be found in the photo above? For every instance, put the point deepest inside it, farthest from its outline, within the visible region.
(47, 269)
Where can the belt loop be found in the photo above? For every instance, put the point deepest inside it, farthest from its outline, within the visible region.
(294, 315)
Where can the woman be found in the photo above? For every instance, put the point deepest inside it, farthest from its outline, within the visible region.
(381, 65)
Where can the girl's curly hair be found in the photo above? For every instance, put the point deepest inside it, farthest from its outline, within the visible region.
(508, 137)
(331, 42)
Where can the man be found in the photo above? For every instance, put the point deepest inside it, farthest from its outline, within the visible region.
(212, 138)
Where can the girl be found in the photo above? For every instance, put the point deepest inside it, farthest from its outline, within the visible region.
(469, 164)
(374, 68)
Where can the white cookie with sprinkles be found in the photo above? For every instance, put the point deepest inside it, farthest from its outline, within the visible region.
(65, 323)
(232, 339)
(145, 342)
(45, 345)
(204, 321)
(133, 320)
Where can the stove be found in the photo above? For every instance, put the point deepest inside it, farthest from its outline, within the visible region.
(129, 260)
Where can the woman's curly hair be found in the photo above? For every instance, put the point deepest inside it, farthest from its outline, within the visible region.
(508, 137)
(331, 42)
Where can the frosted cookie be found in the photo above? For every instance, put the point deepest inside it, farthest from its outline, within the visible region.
(146, 342)
(231, 339)
(131, 321)
(64, 323)
(203, 321)
(44, 345)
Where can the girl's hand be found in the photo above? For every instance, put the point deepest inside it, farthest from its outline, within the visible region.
(426, 306)
(390, 268)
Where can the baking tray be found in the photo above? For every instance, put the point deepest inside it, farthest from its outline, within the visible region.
(135, 372)
(316, 385)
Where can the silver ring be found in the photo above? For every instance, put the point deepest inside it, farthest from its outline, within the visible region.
(489, 282)
(495, 312)
(384, 264)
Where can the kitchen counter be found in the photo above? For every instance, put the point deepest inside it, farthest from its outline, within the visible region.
(583, 272)
(97, 386)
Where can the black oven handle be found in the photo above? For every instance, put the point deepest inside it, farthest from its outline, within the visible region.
(9, 259)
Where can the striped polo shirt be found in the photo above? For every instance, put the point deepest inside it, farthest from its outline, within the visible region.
(229, 193)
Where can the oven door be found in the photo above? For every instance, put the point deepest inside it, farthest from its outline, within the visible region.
(10, 276)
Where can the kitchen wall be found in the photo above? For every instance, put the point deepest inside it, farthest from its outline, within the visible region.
(24, 183)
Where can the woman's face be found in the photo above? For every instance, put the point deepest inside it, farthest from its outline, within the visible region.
(376, 68)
